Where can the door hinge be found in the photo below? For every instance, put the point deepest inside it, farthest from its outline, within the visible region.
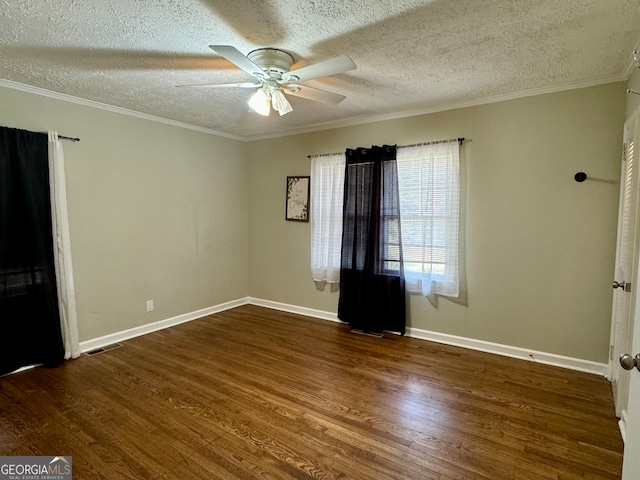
(610, 352)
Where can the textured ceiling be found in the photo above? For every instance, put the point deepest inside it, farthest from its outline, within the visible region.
(413, 56)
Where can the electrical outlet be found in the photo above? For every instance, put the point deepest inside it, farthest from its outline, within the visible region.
(149, 305)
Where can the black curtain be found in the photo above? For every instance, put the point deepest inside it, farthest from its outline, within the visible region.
(29, 318)
(372, 293)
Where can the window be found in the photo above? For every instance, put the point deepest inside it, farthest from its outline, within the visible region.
(327, 187)
(390, 220)
(429, 187)
(429, 218)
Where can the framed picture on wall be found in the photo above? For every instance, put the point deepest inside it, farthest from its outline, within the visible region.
(297, 208)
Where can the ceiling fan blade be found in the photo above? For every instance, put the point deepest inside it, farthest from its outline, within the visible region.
(314, 94)
(329, 67)
(224, 85)
(234, 56)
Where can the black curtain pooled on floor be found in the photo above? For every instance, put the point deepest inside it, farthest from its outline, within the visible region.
(29, 317)
(372, 293)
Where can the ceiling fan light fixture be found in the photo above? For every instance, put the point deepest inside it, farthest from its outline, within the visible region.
(280, 103)
(259, 102)
(271, 68)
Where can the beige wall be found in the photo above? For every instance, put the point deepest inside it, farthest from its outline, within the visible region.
(193, 220)
(156, 212)
(540, 247)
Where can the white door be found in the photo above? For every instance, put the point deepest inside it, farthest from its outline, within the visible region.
(626, 310)
(626, 270)
(631, 462)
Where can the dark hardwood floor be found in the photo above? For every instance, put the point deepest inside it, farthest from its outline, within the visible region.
(255, 393)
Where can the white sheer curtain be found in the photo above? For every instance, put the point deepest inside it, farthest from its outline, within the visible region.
(429, 186)
(62, 248)
(327, 187)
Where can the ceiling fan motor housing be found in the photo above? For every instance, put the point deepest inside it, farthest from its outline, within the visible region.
(273, 61)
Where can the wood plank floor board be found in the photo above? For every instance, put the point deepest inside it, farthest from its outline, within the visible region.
(218, 409)
(42, 432)
(176, 413)
(253, 393)
(170, 418)
(398, 440)
(474, 387)
(265, 406)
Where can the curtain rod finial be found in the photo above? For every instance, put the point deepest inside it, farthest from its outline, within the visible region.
(580, 177)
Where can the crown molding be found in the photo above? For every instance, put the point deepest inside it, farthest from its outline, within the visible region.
(110, 108)
(629, 69)
(350, 122)
(442, 108)
(631, 65)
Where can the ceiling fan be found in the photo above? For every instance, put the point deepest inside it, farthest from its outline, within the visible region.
(270, 67)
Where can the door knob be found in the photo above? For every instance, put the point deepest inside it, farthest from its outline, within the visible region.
(623, 285)
(628, 362)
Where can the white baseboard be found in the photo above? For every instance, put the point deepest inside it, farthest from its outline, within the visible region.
(510, 351)
(162, 324)
(473, 344)
(622, 423)
(284, 307)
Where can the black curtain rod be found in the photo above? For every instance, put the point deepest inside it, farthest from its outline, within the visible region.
(62, 137)
(460, 140)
